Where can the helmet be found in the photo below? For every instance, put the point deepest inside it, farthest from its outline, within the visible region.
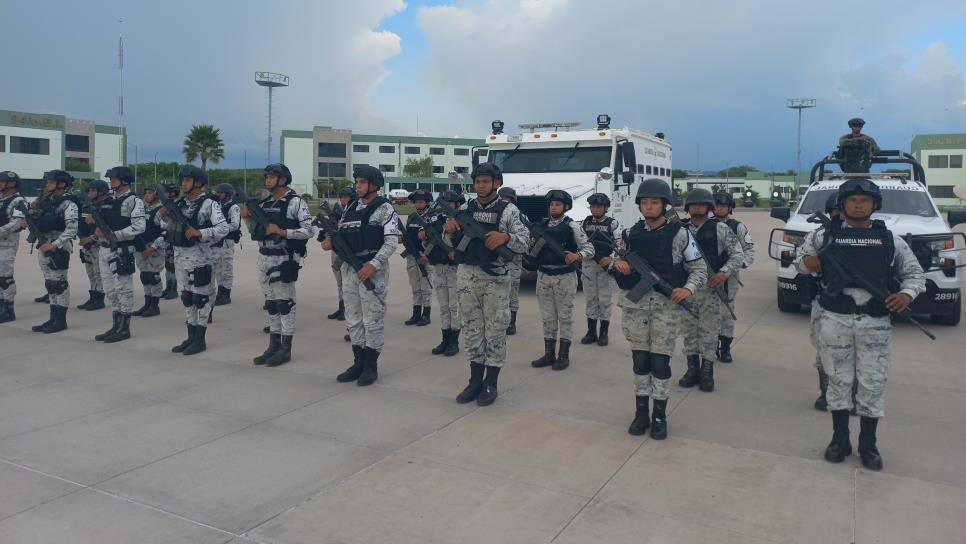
(280, 170)
(370, 174)
(859, 186)
(153, 187)
(195, 173)
(348, 191)
(832, 203)
(99, 185)
(225, 188)
(169, 188)
(699, 196)
(598, 198)
(453, 196)
(856, 122)
(7, 175)
(653, 188)
(60, 176)
(122, 172)
(724, 197)
(421, 194)
(508, 192)
(561, 196)
(487, 169)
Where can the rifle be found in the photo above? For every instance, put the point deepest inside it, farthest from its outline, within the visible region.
(472, 230)
(649, 278)
(719, 290)
(34, 235)
(99, 221)
(175, 219)
(257, 213)
(844, 268)
(539, 232)
(435, 236)
(406, 253)
(339, 244)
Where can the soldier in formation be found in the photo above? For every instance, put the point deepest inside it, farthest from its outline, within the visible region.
(150, 255)
(89, 250)
(509, 194)
(724, 206)
(11, 215)
(417, 264)
(346, 196)
(444, 275)
(170, 278)
(56, 215)
(603, 232)
(224, 249)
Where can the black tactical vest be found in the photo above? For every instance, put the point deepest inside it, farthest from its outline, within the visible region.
(151, 229)
(604, 241)
(277, 211)
(364, 239)
(870, 252)
(476, 253)
(655, 246)
(190, 209)
(561, 233)
(5, 214)
(49, 219)
(111, 210)
(707, 239)
(233, 235)
(733, 225)
(411, 236)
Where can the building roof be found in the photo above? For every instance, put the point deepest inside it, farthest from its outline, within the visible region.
(390, 139)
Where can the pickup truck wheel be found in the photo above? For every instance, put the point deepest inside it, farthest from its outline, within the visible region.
(950, 319)
(787, 307)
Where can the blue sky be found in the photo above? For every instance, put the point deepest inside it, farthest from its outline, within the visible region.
(709, 74)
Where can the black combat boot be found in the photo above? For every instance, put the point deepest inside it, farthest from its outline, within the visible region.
(266, 329)
(439, 349)
(840, 447)
(706, 380)
(191, 338)
(123, 331)
(6, 312)
(152, 309)
(424, 318)
(170, 291)
(472, 389)
(60, 320)
(642, 420)
(724, 349)
(283, 354)
(417, 315)
(602, 338)
(489, 392)
(43, 300)
(549, 345)
(867, 450)
(115, 323)
(198, 344)
(563, 356)
(454, 343)
(659, 420)
(351, 374)
(820, 403)
(693, 375)
(91, 297)
(511, 329)
(223, 297)
(274, 342)
(370, 367)
(591, 335)
(45, 324)
(338, 314)
(140, 311)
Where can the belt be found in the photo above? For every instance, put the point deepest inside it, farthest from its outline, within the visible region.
(273, 251)
(844, 304)
(555, 271)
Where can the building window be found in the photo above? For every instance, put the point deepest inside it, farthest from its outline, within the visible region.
(360, 148)
(76, 164)
(331, 169)
(462, 170)
(461, 151)
(76, 142)
(387, 149)
(427, 186)
(938, 161)
(29, 146)
(955, 161)
(410, 150)
(942, 191)
(3, 143)
(438, 170)
(647, 169)
(387, 168)
(663, 172)
(327, 149)
(437, 151)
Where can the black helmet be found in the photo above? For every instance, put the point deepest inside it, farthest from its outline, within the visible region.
(280, 170)
(724, 197)
(860, 186)
(598, 198)
(370, 174)
(653, 188)
(561, 196)
(195, 173)
(832, 203)
(508, 192)
(226, 188)
(487, 169)
(60, 176)
(348, 191)
(99, 185)
(453, 196)
(170, 188)
(153, 187)
(125, 174)
(699, 196)
(7, 175)
(421, 194)
(856, 122)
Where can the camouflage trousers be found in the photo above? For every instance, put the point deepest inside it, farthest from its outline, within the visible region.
(279, 295)
(485, 313)
(420, 285)
(337, 271)
(55, 280)
(365, 310)
(555, 295)
(515, 270)
(224, 266)
(447, 293)
(150, 267)
(727, 327)
(92, 265)
(598, 289)
(651, 325)
(170, 278)
(119, 288)
(813, 335)
(8, 289)
(193, 270)
(701, 333)
(855, 348)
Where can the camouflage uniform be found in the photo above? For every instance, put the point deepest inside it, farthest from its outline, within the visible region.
(120, 287)
(9, 242)
(727, 328)
(89, 255)
(152, 265)
(598, 283)
(56, 280)
(516, 271)
(336, 261)
(845, 139)
(421, 286)
(557, 283)
(224, 252)
(170, 278)
(444, 279)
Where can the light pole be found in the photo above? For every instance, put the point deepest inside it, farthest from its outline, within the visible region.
(271, 81)
(799, 104)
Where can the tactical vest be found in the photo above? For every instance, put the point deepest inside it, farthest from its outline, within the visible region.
(49, 219)
(707, 238)
(233, 235)
(190, 209)
(277, 211)
(733, 225)
(438, 254)
(476, 253)
(151, 229)
(5, 203)
(411, 235)
(563, 234)
(655, 246)
(870, 252)
(364, 239)
(111, 210)
(604, 241)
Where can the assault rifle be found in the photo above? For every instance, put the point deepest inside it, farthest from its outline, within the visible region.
(99, 222)
(175, 220)
(34, 235)
(472, 230)
(406, 253)
(339, 243)
(720, 290)
(257, 213)
(435, 236)
(539, 233)
(845, 268)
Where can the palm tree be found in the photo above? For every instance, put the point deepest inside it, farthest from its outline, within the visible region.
(204, 141)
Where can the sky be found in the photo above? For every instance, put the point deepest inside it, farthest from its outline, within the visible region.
(712, 75)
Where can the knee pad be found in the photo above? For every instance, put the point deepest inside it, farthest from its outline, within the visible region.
(201, 276)
(270, 307)
(6, 282)
(660, 366)
(284, 306)
(642, 362)
(187, 297)
(55, 287)
(150, 278)
(200, 300)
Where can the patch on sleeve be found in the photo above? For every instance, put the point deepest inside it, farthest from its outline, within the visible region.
(691, 251)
